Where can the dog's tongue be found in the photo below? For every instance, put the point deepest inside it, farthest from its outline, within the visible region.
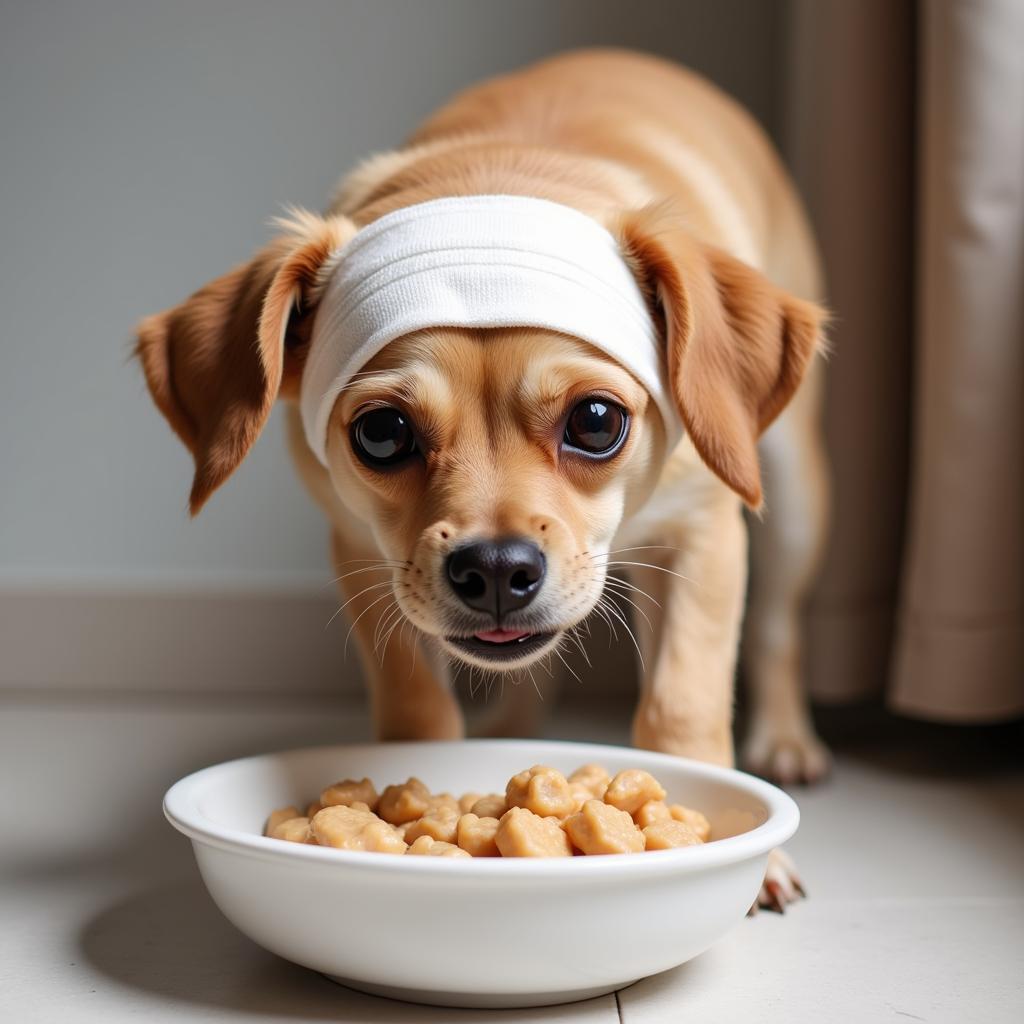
(501, 636)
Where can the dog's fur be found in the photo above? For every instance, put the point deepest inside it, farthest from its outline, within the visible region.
(716, 236)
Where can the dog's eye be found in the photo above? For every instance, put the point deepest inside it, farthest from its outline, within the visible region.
(596, 426)
(383, 437)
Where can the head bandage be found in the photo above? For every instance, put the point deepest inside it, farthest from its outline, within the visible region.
(478, 261)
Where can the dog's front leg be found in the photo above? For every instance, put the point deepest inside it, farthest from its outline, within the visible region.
(687, 691)
(686, 695)
(410, 698)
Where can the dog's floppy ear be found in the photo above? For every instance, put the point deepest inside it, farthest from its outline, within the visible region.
(216, 363)
(738, 346)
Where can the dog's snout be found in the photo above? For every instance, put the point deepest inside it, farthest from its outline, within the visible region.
(496, 576)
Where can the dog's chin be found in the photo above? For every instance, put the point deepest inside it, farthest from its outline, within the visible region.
(502, 650)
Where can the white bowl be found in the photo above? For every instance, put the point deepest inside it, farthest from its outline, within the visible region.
(488, 932)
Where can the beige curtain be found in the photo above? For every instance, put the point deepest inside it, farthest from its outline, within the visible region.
(906, 131)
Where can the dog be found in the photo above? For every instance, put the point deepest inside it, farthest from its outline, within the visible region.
(484, 481)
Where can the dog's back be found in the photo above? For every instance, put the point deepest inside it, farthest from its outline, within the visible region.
(629, 125)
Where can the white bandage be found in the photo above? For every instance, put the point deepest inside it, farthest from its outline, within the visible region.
(478, 261)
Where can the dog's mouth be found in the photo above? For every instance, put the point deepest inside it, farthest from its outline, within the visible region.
(500, 646)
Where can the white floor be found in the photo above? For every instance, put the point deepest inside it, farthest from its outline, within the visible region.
(913, 857)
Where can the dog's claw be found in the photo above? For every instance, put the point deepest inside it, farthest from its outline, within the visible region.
(782, 885)
(776, 902)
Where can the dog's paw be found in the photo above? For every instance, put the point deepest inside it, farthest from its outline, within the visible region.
(781, 886)
(786, 756)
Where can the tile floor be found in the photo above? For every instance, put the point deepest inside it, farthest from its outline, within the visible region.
(913, 856)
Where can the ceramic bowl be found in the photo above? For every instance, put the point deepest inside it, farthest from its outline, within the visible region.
(487, 932)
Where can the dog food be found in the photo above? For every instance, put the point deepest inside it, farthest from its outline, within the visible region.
(601, 828)
(478, 836)
(427, 847)
(521, 833)
(353, 828)
(541, 814)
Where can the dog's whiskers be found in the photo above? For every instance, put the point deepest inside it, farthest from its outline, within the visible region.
(355, 622)
(376, 567)
(658, 568)
(385, 625)
(399, 620)
(619, 582)
(529, 669)
(415, 645)
(642, 547)
(386, 614)
(574, 635)
(569, 667)
(383, 621)
(615, 611)
(373, 586)
(612, 631)
(376, 561)
(629, 601)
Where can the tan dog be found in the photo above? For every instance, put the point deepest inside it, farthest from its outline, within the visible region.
(482, 483)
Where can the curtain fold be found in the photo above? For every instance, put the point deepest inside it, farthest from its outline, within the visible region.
(959, 646)
(906, 133)
(849, 136)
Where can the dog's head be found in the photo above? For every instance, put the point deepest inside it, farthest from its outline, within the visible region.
(493, 466)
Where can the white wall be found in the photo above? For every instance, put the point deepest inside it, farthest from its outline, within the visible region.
(143, 147)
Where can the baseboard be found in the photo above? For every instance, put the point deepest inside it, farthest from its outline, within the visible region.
(177, 638)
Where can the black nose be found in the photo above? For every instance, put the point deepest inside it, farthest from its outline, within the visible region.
(496, 576)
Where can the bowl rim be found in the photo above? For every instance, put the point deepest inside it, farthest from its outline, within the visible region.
(181, 808)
